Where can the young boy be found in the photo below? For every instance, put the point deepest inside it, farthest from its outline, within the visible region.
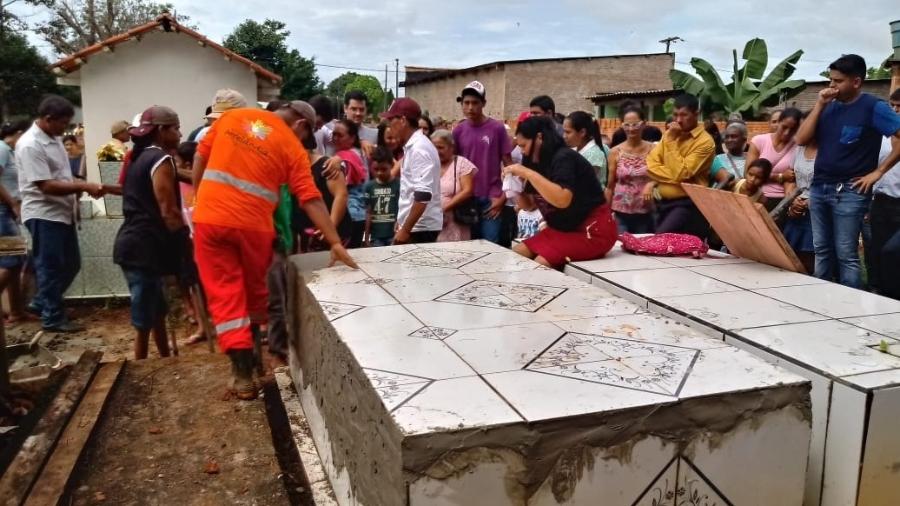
(529, 217)
(382, 196)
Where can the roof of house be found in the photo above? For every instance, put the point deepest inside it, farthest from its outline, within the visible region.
(416, 76)
(610, 95)
(165, 22)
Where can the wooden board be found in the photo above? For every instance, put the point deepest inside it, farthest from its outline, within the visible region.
(51, 484)
(745, 227)
(16, 482)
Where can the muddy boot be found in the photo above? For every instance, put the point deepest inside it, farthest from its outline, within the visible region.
(242, 374)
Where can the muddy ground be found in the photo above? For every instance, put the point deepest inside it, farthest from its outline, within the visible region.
(170, 433)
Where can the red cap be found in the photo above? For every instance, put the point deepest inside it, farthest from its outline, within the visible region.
(523, 116)
(403, 107)
(157, 115)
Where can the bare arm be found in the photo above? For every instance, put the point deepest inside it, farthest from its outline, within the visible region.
(752, 156)
(466, 189)
(199, 169)
(554, 194)
(864, 184)
(185, 176)
(807, 130)
(56, 187)
(418, 209)
(338, 188)
(611, 175)
(164, 191)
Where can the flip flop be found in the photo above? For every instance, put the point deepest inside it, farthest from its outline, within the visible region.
(196, 339)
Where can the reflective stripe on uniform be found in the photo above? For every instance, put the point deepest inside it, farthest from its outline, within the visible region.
(245, 186)
(235, 324)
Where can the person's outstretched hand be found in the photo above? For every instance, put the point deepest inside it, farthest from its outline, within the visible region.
(339, 254)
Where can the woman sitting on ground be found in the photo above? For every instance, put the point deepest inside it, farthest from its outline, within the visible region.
(580, 225)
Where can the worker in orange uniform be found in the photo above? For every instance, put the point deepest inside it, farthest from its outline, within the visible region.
(238, 169)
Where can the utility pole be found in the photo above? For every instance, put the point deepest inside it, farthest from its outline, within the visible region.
(668, 41)
(385, 104)
(397, 77)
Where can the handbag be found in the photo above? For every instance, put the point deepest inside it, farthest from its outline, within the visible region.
(467, 212)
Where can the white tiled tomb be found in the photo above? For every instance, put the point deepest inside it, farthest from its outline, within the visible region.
(844, 341)
(463, 374)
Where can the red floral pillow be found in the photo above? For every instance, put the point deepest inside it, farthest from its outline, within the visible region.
(664, 245)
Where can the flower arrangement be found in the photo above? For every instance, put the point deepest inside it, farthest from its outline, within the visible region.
(110, 153)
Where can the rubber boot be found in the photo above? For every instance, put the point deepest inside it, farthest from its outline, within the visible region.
(242, 374)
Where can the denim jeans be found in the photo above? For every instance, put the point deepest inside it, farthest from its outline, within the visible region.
(488, 229)
(837, 212)
(57, 261)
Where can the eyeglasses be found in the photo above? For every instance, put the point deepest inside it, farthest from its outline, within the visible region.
(632, 126)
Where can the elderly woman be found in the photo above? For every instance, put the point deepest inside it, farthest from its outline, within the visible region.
(728, 167)
(580, 225)
(457, 186)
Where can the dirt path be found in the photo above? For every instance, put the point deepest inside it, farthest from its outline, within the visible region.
(168, 437)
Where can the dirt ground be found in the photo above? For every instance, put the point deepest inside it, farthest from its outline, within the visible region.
(168, 437)
(169, 433)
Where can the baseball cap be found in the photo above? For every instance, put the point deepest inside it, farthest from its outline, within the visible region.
(523, 116)
(403, 107)
(305, 111)
(119, 127)
(225, 100)
(473, 88)
(158, 115)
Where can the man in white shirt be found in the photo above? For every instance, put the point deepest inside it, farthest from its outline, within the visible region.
(49, 194)
(419, 217)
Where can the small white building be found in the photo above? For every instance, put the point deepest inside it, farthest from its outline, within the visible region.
(158, 63)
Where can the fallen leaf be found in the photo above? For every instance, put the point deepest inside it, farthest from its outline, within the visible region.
(212, 467)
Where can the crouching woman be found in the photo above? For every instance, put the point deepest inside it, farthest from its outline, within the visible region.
(579, 223)
(152, 237)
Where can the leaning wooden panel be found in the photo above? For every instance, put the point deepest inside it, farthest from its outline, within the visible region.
(745, 227)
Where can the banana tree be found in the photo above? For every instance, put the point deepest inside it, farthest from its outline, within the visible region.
(749, 88)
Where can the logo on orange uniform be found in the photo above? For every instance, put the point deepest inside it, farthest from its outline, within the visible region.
(258, 129)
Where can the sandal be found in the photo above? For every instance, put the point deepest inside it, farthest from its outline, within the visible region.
(196, 338)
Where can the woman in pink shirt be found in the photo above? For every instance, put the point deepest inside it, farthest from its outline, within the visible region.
(778, 148)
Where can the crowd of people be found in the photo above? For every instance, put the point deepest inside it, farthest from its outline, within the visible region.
(223, 209)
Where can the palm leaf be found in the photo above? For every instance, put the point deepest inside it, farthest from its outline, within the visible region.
(684, 81)
(781, 72)
(715, 88)
(757, 55)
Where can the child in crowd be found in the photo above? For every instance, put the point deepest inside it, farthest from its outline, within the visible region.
(529, 217)
(382, 199)
(755, 176)
(189, 278)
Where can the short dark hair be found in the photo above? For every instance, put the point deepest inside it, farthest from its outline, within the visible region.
(895, 96)
(186, 151)
(687, 101)
(355, 95)
(276, 104)
(55, 107)
(69, 138)
(14, 127)
(851, 65)
(763, 164)
(382, 154)
(544, 102)
(323, 107)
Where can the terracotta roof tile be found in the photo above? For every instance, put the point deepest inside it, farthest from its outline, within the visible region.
(74, 61)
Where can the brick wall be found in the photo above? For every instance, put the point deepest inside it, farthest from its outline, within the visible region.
(510, 87)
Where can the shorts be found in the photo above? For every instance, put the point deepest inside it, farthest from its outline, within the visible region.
(591, 240)
(9, 228)
(148, 298)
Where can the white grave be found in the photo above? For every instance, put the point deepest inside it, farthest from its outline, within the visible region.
(464, 374)
(828, 333)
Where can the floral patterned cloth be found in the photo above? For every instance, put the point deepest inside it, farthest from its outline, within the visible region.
(631, 177)
(665, 245)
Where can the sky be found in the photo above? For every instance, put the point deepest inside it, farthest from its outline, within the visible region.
(462, 33)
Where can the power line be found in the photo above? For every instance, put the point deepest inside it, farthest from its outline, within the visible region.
(344, 67)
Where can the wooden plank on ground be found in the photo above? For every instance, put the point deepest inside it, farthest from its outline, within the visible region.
(744, 226)
(16, 482)
(51, 484)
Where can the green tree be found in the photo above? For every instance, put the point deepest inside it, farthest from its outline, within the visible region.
(24, 77)
(750, 88)
(335, 89)
(266, 44)
(371, 88)
(76, 24)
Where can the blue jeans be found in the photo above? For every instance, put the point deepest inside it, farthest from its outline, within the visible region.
(57, 261)
(487, 229)
(837, 212)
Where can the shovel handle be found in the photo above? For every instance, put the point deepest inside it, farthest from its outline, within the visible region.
(34, 340)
